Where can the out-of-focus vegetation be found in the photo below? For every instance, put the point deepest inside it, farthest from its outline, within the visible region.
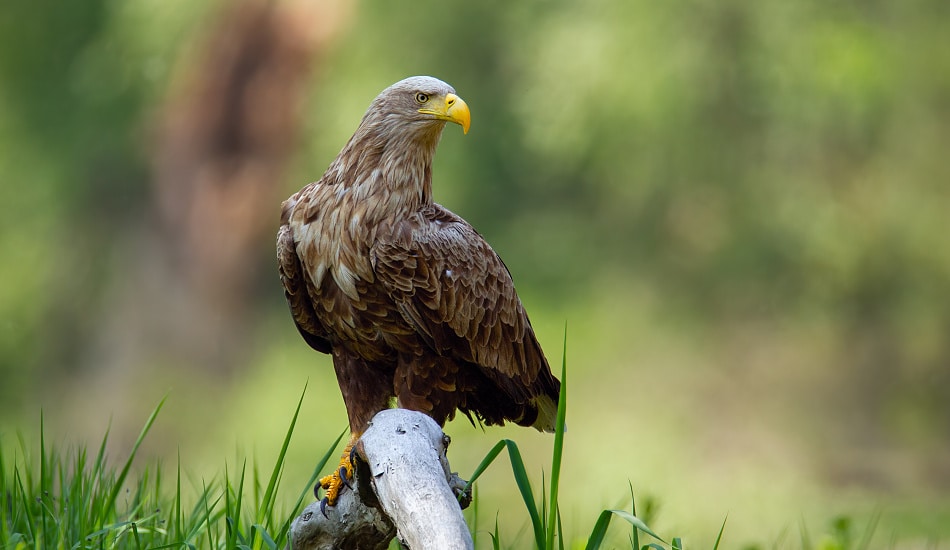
(71, 499)
(739, 208)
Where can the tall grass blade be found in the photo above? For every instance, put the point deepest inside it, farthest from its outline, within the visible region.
(178, 519)
(559, 428)
(473, 525)
(207, 520)
(544, 507)
(721, 529)
(524, 486)
(25, 506)
(109, 504)
(239, 505)
(95, 476)
(230, 536)
(267, 503)
(599, 532)
(495, 540)
(135, 536)
(560, 532)
(633, 511)
(43, 477)
(637, 522)
(233, 510)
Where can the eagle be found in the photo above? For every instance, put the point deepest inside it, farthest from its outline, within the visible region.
(407, 297)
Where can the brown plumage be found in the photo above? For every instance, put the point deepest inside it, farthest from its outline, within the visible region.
(406, 296)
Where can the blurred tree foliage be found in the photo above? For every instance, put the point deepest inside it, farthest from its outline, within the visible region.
(761, 161)
(77, 83)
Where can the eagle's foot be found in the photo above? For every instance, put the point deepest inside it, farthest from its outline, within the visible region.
(334, 483)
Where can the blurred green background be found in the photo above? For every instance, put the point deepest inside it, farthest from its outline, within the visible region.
(739, 209)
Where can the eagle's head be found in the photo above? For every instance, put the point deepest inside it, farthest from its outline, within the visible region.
(417, 106)
(391, 151)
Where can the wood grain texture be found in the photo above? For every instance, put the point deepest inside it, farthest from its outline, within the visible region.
(403, 485)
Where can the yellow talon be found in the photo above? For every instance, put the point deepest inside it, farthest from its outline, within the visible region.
(334, 483)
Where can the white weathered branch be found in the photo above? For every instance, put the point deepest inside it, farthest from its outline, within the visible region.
(402, 486)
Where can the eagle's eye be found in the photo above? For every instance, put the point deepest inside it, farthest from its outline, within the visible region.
(421, 97)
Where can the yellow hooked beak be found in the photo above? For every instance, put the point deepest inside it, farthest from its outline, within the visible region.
(454, 110)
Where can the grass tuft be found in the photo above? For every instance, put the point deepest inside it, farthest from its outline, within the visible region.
(62, 500)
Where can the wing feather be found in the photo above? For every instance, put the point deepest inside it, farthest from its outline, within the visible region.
(457, 294)
(295, 290)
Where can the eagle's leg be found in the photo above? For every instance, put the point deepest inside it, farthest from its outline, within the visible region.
(366, 390)
(341, 477)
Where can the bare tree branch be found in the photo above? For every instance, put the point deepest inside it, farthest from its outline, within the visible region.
(403, 487)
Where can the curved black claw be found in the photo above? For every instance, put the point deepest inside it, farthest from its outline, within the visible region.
(316, 490)
(344, 479)
(323, 507)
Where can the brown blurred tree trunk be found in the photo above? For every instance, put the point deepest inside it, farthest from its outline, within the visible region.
(219, 155)
(224, 142)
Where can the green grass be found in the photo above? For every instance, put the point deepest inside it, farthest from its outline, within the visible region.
(59, 500)
(65, 500)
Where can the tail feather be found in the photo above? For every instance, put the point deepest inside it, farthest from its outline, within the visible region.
(547, 413)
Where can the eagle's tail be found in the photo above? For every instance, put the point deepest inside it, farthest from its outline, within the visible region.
(547, 413)
(546, 400)
(533, 404)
